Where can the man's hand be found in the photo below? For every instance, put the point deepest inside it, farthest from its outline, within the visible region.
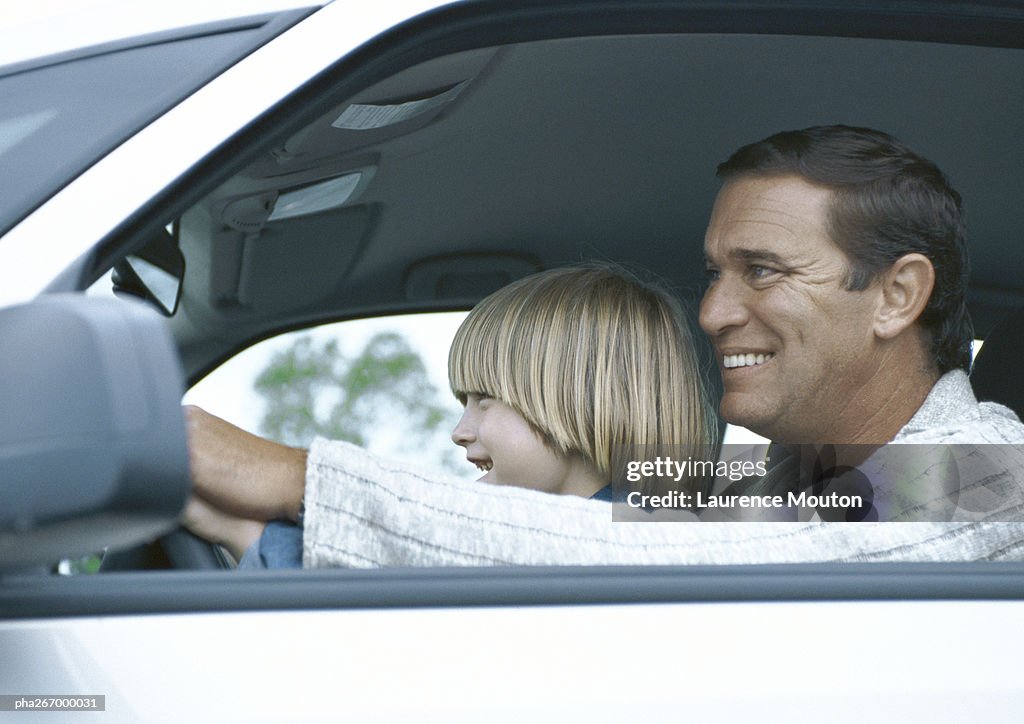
(242, 474)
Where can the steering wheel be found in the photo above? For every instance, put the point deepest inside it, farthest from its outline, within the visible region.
(178, 550)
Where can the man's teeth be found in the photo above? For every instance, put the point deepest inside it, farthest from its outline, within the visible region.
(745, 360)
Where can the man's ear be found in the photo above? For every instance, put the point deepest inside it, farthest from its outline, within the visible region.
(906, 288)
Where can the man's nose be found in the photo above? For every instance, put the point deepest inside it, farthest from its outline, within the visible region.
(723, 306)
(464, 434)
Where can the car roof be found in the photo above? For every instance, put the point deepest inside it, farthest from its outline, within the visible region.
(58, 28)
(600, 143)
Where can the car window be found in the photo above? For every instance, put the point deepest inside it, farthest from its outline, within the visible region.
(381, 383)
(427, 210)
(263, 389)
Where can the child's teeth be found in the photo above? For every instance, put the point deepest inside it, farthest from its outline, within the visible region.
(749, 359)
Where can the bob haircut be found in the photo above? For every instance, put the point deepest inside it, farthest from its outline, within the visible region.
(598, 362)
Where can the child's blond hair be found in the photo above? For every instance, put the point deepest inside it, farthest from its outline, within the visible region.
(598, 362)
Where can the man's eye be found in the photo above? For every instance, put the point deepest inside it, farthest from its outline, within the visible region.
(757, 271)
(711, 275)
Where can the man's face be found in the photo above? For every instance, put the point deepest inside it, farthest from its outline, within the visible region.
(794, 347)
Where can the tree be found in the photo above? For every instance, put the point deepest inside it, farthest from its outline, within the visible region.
(381, 398)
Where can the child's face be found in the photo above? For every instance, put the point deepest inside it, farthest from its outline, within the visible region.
(501, 443)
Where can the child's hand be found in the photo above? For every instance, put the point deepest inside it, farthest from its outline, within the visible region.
(209, 522)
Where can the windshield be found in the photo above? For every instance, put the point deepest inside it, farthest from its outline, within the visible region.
(63, 113)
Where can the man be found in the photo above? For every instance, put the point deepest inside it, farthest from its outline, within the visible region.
(837, 268)
(824, 262)
(837, 275)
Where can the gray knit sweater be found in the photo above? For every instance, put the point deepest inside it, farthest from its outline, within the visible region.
(364, 511)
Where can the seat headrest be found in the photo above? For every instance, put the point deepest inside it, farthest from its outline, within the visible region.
(995, 373)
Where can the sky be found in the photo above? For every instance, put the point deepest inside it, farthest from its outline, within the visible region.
(228, 391)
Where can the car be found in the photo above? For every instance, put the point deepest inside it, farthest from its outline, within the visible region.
(251, 172)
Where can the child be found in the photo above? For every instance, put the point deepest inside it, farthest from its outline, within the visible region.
(592, 362)
(561, 374)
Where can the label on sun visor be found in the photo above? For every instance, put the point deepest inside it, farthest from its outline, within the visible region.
(365, 116)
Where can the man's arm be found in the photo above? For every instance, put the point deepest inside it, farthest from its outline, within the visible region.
(241, 473)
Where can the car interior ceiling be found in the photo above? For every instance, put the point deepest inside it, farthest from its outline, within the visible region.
(485, 165)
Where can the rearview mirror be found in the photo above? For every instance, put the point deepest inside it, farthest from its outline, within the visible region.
(154, 273)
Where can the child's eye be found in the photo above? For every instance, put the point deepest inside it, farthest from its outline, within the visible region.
(474, 397)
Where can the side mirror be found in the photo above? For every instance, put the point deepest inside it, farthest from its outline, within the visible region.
(154, 273)
(93, 451)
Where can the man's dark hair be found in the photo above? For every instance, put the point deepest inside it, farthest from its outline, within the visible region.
(886, 202)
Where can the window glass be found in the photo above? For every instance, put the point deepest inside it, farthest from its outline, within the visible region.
(381, 383)
(298, 385)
